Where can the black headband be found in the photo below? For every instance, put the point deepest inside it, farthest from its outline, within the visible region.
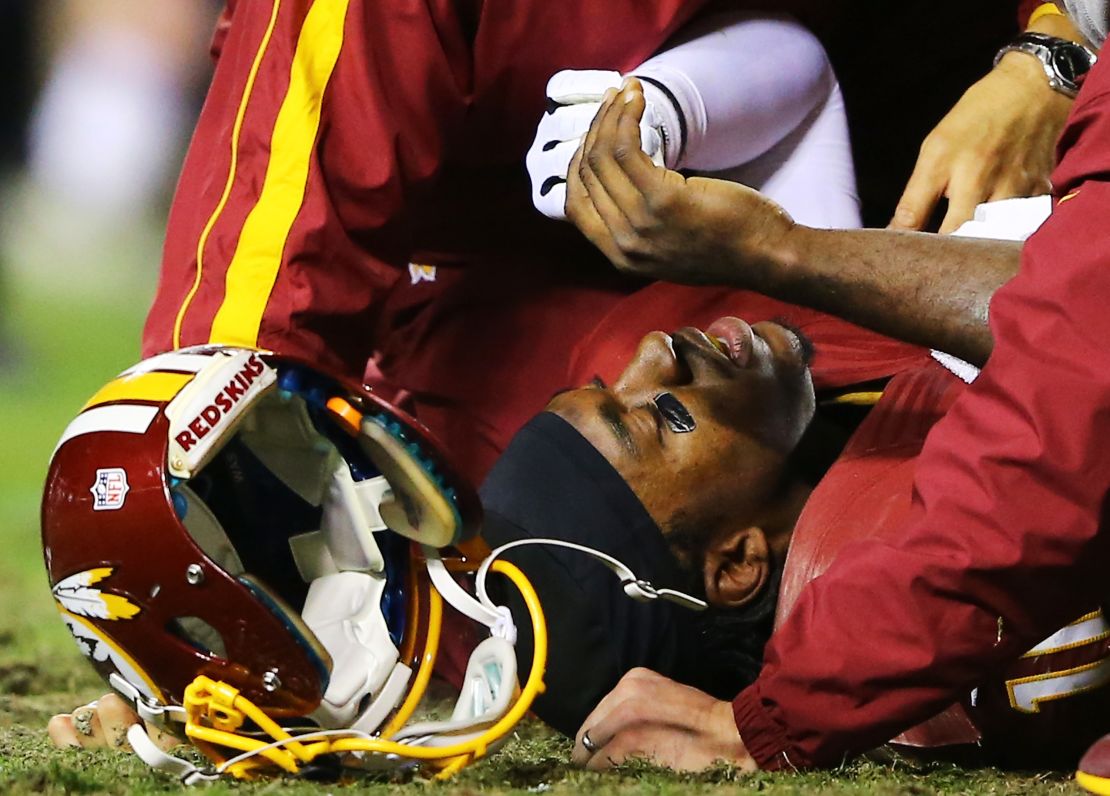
(551, 482)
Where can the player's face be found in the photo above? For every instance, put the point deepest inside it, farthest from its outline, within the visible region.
(700, 422)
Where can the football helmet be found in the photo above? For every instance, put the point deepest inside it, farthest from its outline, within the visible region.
(250, 548)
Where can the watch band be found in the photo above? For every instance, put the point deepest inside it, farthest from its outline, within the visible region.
(1055, 54)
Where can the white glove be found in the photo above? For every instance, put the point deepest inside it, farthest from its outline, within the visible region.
(573, 99)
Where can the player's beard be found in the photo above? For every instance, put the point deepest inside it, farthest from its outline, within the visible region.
(1090, 16)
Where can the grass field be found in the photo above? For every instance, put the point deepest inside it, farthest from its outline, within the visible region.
(68, 348)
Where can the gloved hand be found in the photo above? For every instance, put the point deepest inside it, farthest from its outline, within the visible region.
(574, 96)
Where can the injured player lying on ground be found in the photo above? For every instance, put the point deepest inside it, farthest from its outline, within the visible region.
(710, 465)
(726, 475)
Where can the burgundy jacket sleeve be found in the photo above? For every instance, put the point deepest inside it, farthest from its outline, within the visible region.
(1005, 542)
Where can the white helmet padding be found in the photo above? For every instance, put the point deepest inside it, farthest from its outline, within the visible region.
(344, 612)
(351, 517)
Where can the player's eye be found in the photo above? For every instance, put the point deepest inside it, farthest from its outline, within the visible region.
(674, 413)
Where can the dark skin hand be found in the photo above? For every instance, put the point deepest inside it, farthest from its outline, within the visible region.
(649, 221)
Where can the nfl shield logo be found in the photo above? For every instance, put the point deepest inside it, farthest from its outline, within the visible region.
(110, 489)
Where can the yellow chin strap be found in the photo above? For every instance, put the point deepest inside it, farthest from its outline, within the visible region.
(216, 711)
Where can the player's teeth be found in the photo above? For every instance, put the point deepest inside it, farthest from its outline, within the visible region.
(718, 343)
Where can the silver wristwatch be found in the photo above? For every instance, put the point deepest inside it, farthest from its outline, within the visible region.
(1064, 61)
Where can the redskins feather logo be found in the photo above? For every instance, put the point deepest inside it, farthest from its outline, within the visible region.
(76, 595)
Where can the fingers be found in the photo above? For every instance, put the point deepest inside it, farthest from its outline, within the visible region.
(612, 148)
(573, 99)
(62, 732)
(961, 208)
(590, 207)
(651, 717)
(613, 145)
(583, 214)
(80, 728)
(163, 740)
(612, 713)
(966, 182)
(626, 142)
(1028, 184)
(598, 124)
(558, 140)
(589, 203)
(975, 181)
(923, 191)
(115, 717)
(613, 738)
(613, 184)
(672, 725)
(103, 723)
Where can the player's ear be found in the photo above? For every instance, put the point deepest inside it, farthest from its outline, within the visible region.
(737, 567)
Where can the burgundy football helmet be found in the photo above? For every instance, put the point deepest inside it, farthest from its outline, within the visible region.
(241, 543)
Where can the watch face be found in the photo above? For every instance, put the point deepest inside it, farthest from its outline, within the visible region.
(1071, 61)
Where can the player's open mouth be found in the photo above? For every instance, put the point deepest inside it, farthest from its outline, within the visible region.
(690, 344)
(732, 337)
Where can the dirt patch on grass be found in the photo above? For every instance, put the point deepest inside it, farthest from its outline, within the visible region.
(18, 678)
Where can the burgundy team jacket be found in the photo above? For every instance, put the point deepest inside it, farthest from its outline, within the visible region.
(1004, 543)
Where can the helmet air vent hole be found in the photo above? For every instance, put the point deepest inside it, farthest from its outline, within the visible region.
(364, 703)
(198, 634)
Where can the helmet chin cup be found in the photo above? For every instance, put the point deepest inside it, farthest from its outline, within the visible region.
(344, 612)
(486, 695)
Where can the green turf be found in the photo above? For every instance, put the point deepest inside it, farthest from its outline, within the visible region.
(65, 353)
(59, 356)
